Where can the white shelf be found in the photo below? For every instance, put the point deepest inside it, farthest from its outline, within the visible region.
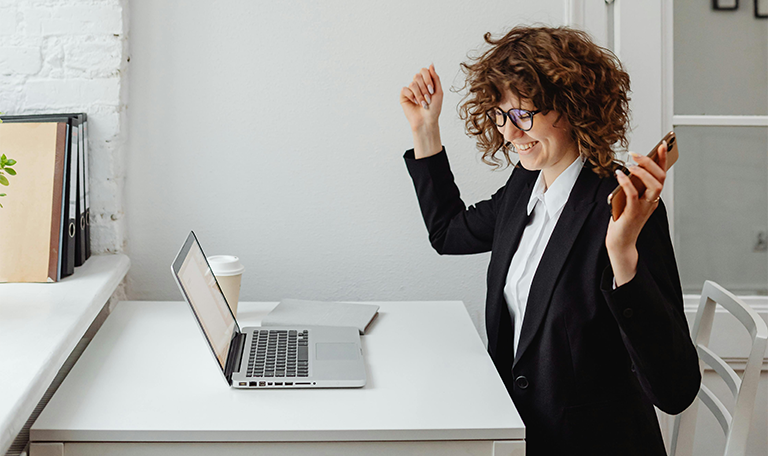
(40, 325)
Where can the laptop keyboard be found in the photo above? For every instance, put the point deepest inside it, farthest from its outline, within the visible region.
(279, 353)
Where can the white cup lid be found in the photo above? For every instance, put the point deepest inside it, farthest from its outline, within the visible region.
(225, 265)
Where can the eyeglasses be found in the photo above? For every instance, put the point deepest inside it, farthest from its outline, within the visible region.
(521, 118)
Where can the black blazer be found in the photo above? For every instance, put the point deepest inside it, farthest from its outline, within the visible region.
(591, 361)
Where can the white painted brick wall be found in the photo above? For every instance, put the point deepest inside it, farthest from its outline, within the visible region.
(71, 56)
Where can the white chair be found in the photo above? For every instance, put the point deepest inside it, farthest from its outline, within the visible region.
(736, 426)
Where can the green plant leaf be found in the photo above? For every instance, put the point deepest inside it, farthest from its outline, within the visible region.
(4, 158)
(1, 205)
(3, 180)
(11, 171)
(2, 194)
(11, 162)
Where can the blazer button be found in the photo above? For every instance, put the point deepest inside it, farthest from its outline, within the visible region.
(628, 312)
(521, 382)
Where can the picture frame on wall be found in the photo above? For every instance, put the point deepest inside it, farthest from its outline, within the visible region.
(761, 9)
(725, 5)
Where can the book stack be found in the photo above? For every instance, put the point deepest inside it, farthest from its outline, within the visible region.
(44, 221)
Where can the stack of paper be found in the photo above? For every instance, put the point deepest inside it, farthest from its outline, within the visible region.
(293, 312)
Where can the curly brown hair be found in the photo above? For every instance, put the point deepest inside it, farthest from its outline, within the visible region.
(557, 69)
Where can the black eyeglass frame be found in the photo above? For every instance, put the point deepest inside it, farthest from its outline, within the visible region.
(508, 115)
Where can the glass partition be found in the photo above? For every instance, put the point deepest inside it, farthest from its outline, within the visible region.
(721, 208)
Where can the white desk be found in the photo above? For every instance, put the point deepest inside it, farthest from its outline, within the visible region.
(148, 385)
(40, 325)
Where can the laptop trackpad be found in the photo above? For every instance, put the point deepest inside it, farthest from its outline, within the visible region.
(336, 352)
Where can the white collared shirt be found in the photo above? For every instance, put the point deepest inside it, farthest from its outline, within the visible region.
(544, 208)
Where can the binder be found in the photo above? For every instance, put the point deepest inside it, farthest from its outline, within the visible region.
(87, 189)
(31, 219)
(67, 243)
(80, 240)
(70, 205)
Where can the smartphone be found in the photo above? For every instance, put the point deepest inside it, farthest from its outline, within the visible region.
(618, 199)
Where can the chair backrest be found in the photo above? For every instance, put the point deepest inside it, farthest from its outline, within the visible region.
(744, 390)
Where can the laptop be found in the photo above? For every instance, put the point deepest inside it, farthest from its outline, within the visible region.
(266, 357)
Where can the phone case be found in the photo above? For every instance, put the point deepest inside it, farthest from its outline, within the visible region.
(618, 199)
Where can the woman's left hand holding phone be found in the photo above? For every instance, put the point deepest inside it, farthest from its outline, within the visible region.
(422, 101)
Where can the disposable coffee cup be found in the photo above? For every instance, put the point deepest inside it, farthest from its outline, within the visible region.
(228, 272)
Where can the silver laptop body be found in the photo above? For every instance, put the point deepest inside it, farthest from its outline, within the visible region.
(265, 357)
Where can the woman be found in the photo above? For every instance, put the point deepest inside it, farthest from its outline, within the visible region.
(584, 314)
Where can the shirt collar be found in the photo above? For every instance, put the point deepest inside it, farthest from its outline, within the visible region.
(555, 197)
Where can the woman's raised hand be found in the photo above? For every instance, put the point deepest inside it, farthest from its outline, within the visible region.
(422, 101)
(423, 98)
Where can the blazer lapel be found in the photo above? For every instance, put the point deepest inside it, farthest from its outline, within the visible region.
(516, 218)
(576, 210)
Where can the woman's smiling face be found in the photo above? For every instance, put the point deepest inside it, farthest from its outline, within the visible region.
(547, 146)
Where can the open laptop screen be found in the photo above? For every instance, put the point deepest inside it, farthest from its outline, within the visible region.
(204, 295)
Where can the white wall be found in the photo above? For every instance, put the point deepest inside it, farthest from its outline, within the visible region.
(274, 131)
(68, 56)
